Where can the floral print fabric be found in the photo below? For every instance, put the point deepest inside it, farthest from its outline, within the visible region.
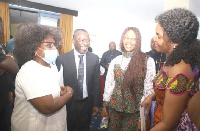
(177, 85)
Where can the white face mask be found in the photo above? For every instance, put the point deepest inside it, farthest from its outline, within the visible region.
(49, 55)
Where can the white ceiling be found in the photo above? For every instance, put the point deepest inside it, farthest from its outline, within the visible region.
(133, 6)
(80, 5)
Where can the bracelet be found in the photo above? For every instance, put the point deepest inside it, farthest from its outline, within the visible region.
(10, 56)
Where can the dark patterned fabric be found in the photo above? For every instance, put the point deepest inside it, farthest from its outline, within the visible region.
(123, 121)
(131, 103)
(186, 124)
(177, 85)
(80, 78)
(124, 111)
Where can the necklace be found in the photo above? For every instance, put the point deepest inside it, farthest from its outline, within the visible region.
(126, 55)
(160, 62)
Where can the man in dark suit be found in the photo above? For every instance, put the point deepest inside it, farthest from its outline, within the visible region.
(108, 56)
(86, 98)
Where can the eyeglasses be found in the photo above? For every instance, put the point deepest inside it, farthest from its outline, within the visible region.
(129, 38)
(83, 40)
(50, 44)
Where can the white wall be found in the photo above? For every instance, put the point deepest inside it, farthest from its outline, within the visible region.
(107, 24)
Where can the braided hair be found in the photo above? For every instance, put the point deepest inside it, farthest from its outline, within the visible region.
(136, 70)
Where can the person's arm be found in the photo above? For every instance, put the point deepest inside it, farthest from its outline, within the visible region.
(108, 90)
(194, 110)
(47, 104)
(96, 85)
(9, 65)
(7, 62)
(173, 108)
(103, 60)
(148, 85)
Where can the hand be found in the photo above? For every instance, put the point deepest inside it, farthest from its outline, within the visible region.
(147, 103)
(104, 113)
(69, 89)
(107, 66)
(65, 89)
(95, 110)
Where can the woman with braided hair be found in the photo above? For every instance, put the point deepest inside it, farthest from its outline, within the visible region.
(128, 83)
(177, 81)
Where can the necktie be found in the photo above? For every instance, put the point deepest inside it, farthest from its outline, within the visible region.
(80, 78)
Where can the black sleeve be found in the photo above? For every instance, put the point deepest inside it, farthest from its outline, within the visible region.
(103, 60)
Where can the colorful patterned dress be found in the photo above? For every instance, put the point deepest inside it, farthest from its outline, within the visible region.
(177, 85)
(124, 113)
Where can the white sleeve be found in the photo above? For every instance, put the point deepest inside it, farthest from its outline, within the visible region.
(110, 82)
(37, 83)
(150, 73)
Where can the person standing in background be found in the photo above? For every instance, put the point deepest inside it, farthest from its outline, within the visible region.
(8, 67)
(158, 57)
(108, 56)
(10, 45)
(81, 71)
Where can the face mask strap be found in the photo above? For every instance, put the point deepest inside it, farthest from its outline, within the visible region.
(40, 48)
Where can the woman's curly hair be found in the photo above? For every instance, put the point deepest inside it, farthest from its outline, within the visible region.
(136, 70)
(180, 26)
(29, 37)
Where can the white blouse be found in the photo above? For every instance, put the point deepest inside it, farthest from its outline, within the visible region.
(110, 82)
(33, 81)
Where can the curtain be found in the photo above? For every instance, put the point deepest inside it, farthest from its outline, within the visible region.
(4, 14)
(66, 24)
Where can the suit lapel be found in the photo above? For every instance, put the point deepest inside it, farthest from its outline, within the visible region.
(88, 62)
(73, 65)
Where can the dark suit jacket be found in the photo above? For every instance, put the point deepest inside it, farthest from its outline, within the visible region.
(67, 60)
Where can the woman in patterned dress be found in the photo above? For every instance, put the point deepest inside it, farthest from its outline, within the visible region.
(128, 83)
(178, 79)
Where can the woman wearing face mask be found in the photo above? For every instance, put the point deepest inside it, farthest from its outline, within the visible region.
(128, 83)
(40, 101)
